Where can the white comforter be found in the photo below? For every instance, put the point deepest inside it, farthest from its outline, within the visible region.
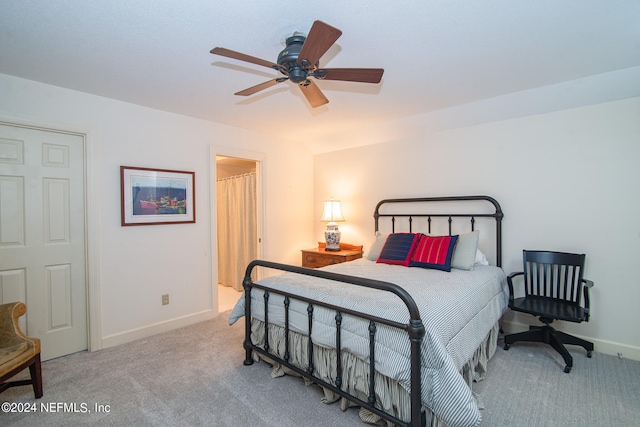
(458, 310)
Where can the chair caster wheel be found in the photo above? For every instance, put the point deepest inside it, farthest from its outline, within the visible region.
(589, 354)
(506, 346)
(567, 369)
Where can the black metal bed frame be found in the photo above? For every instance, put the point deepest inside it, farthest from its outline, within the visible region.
(414, 328)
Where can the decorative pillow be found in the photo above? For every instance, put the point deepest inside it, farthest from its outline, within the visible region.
(376, 246)
(464, 254)
(398, 248)
(434, 252)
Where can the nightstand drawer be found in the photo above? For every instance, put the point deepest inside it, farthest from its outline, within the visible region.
(318, 257)
(318, 260)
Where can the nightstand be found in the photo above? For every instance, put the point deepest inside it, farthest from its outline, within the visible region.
(318, 257)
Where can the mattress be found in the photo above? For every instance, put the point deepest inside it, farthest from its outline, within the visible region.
(459, 310)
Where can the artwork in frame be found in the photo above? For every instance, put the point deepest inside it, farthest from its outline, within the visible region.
(157, 196)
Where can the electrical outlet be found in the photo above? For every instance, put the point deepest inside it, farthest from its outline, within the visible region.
(165, 299)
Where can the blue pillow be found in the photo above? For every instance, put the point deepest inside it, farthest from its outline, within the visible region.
(398, 248)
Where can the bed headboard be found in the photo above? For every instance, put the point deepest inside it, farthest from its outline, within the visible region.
(432, 209)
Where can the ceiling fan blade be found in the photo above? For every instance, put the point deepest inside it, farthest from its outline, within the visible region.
(363, 75)
(313, 93)
(321, 37)
(261, 86)
(242, 57)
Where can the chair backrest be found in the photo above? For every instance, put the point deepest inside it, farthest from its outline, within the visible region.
(553, 274)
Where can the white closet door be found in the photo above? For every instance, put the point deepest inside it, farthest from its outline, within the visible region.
(42, 235)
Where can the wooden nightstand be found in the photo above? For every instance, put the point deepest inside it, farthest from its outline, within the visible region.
(318, 257)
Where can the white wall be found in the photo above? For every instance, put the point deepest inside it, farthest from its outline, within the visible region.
(567, 181)
(134, 266)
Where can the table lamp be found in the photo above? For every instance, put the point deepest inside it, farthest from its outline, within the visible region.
(332, 213)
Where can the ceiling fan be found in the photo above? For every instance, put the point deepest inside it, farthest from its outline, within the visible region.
(299, 61)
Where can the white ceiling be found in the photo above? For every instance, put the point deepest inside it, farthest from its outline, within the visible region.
(436, 54)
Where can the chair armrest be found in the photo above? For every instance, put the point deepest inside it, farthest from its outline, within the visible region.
(585, 290)
(510, 283)
(9, 314)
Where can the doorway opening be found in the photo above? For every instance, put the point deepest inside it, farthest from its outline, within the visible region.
(237, 211)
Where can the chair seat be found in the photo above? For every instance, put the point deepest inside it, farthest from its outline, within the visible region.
(10, 353)
(549, 308)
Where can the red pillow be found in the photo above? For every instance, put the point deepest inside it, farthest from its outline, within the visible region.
(434, 252)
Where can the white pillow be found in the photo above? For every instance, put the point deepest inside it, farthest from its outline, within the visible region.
(376, 246)
(464, 254)
(481, 259)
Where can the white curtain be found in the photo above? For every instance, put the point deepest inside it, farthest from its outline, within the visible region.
(237, 230)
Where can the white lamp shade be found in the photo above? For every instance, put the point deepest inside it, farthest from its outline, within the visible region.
(332, 211)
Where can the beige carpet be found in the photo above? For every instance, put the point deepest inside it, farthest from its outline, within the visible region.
(192, 376)
(527, 386)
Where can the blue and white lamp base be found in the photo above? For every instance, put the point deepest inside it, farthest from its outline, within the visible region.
(332, 237)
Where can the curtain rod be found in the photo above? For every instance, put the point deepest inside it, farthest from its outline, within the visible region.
(236, 176)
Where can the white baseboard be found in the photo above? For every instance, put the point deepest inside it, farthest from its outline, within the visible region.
(157, 328)
(599, 346)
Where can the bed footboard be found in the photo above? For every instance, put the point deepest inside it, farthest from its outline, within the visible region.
(414, 328)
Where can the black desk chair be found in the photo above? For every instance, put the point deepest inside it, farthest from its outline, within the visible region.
(553, 288)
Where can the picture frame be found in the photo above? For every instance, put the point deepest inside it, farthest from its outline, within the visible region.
(156, 196)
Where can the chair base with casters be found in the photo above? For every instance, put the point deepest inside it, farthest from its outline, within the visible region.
(17, 351)
(556, 339)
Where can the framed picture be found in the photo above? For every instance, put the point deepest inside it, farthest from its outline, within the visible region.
(157, 196)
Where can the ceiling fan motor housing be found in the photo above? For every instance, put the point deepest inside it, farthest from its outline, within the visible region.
(289, 56)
